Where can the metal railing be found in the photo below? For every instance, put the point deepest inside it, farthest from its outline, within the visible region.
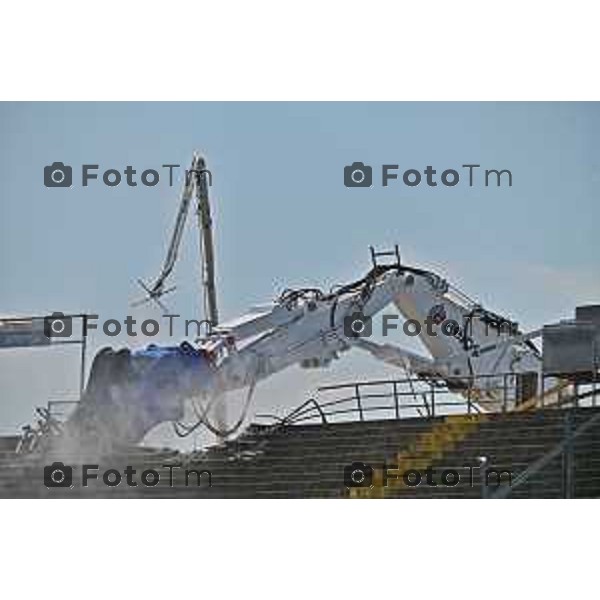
(49, 423)
(418, 397)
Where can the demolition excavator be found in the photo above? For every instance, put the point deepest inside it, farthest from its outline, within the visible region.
(130, 392)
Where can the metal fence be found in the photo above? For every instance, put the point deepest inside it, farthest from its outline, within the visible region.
(412, 397)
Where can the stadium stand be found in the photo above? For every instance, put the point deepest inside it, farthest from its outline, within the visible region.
(288, 460)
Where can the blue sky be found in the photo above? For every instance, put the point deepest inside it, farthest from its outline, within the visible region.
(283, 216)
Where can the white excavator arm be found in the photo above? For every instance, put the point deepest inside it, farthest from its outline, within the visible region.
(128, 393)
(310, 328)
(306, 327)
(470, 346)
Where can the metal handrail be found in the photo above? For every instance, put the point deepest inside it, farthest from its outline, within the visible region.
(295, 415)
(429, 395)
(310, 401)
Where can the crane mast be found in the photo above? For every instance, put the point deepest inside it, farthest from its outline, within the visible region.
(197, 181)
(207, 258)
